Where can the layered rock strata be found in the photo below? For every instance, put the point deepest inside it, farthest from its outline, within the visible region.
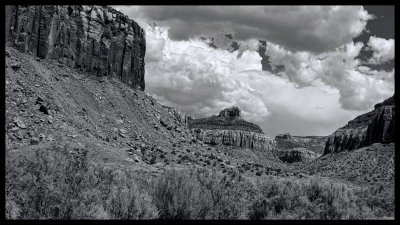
(312, 143)
(229, 129)
(377, 126)
(96, 39)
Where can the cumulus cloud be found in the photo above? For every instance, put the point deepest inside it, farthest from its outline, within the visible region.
(304, 28)
(201, 79)
(358, 87)
(383, 49)
(313, 110)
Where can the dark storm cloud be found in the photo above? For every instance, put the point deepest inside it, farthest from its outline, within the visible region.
(311, 28)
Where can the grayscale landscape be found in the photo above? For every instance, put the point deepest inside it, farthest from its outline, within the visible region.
(199, 112)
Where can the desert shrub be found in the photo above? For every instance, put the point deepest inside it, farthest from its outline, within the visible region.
(60, 183)
(179, 196)
(198, 194)
(126, 201)
(311, 199)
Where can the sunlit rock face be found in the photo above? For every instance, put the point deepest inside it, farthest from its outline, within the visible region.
(229, 129)
(96, 39)
(377, 126)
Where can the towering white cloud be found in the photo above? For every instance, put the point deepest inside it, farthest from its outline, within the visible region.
(339, 69)
(201, 79)
(383, 49)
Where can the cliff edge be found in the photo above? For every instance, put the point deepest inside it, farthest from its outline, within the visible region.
(377, 126)
(95, 39)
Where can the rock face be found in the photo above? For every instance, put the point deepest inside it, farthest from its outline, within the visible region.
(377, 126)
(297, 155)
(229, 129)
(313, 143)
(96, 39)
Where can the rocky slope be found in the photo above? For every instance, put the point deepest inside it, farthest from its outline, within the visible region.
(229, 129)
(377, 126)
(49, 103)
(95, 39)
(315, 144)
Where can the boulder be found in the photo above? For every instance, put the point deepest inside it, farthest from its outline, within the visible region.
(18, 121)
(34, 141)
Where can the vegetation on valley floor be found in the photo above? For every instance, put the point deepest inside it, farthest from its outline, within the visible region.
(61, 183)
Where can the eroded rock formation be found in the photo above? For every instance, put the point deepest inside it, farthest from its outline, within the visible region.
(229, 129)
(377, 126)
(97, 39)
(312, 143)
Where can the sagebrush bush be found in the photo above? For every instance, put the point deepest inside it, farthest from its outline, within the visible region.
(310, 199)
(59, 183)
(198, 194)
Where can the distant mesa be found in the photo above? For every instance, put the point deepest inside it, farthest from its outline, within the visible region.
(228, 128)
(227, 119)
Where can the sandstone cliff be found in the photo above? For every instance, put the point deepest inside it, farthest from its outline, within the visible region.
(313, 143)
(96, 39)
(376, 126)
(229, 129)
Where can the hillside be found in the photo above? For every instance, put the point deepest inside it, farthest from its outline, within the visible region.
(376, 126)
(47, 102)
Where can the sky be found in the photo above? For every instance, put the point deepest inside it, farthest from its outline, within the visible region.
(304, 70)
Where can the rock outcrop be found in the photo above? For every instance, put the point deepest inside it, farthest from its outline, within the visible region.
(297, 155)
(313, 143)
(227, 119)
(377, 126)
(229, 129)
(96, 39)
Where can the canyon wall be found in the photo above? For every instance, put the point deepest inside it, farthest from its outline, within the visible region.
(377, 126)
(240, 138)
(96, 39)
